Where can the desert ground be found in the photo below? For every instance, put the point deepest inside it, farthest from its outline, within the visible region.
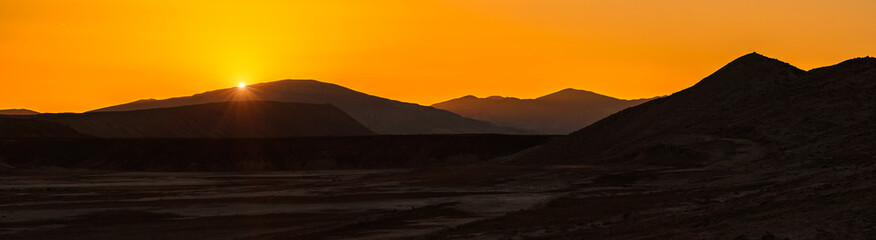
(486, 201)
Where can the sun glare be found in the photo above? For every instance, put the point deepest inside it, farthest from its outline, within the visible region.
(241, 85)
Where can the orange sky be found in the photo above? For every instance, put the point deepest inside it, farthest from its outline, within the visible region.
(79, 55)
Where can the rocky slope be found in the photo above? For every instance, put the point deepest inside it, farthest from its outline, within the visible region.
(754, 104)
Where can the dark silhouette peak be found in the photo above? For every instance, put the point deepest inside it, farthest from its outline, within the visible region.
(575, 91)
(145, 100)
(492, 98)
(572, 91)
(848, 66)
(302, 80)
(305, 86)
(755, 59)
(290, 80)
(749, 71)
(754, 54)
(469, 97)
(859, 61)
(571, 94)
(295, 83)
(558, 113)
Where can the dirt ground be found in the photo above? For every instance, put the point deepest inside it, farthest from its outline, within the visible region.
(467, 202)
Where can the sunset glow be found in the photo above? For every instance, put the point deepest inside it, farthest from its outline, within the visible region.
(60, 56)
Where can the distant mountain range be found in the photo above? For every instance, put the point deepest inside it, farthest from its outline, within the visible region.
(381, 115)
(240, 119)
(561, 112)
(18, 112)
(751, 109)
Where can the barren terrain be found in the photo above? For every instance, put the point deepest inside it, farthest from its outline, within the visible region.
(466, 202)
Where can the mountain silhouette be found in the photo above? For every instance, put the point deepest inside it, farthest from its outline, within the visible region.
(381, 115)
(558, 113)
(240, 119)
(751, 109)
(18, 112)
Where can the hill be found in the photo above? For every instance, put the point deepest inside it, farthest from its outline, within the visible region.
(242, 119)
(381, 115)
(753, 108)
(18, 112)
(558, 113)
(759, 149)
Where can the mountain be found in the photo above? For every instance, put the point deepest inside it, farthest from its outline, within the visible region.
(752, 109)
(18, 112)
(558, 113)
(381, 115)
(27, 128)
(240, 119)
(757, 150)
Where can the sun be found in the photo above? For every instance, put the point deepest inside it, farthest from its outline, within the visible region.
(241, 85)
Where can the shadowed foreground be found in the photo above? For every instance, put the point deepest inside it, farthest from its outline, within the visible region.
(470, 202)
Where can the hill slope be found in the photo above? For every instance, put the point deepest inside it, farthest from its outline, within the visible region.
(215, 120)
(753, 108)
(758, 150)
(558, 113)
(18, 112)
(383, 116)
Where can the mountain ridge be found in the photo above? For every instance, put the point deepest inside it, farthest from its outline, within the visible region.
(239, 119)
(560, 112)
(384, 116)
(752, 102)
(18, 111)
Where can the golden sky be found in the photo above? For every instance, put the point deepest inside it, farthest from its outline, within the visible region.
(78, 55)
